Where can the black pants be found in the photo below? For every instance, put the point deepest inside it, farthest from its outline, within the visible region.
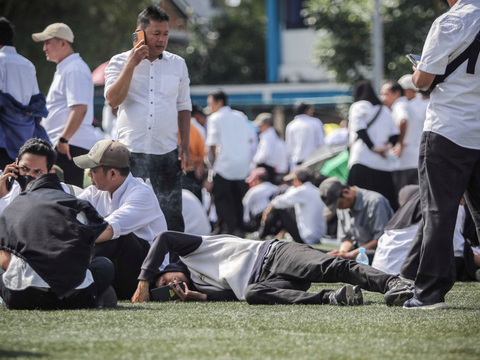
(127, 254)
(5, 159)
(291, 269)
(280, 219)
(228, 196)
(402, 178)
(29, 299)
(71, 173)
(446, 171)
(165, 173)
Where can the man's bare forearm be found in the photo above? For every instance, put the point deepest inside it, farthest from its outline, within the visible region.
(119, 90)
(74, 120)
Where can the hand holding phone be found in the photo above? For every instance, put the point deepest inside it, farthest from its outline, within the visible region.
(165, 293)
(7, 178)
(137, 36)
(414, 59)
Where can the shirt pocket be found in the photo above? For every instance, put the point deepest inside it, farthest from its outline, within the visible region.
(169, 85)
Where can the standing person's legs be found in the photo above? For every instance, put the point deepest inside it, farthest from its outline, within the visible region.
(445, 170)
(127, 254)
(72, 174)
(225, 203)
(410, 265)
(240, 188)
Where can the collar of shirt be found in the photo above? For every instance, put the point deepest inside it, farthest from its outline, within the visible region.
(64, 63)
(401, 99)
(358, 206)
(268, 133)
(224, 109)
(121, 190)
(8, 49)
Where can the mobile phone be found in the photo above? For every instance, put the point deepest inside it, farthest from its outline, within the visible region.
(413, 58)
(12, 179)
(137, 36)
(165, 293)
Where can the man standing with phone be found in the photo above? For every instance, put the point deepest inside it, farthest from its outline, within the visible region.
(150, 87)
(449, 163)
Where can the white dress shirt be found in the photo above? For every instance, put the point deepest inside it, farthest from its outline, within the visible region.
(194, 215)
(360, 115)
(267, 146)
(132, 208)
(281, 167)
(147, 120)
(17, 75)
(303, 135)
(229, 131)
(72, 85)
(403, 109)
(257, 199)
(308, 205)
(454, 109)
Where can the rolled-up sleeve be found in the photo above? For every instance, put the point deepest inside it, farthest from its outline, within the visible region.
(183, 100)
(113, 70)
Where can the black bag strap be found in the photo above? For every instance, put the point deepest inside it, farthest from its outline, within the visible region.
(375, 117)
(470, 53)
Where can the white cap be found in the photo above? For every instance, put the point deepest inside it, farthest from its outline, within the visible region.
(406, 82)
(57, 30)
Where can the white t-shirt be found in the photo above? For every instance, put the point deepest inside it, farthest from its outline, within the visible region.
(267, 146)
(257, 199)
(454, 109)
(72, 85)
(403, 109)
(308, 205)
(132, 208)
(147, 120)
(303, 135)
(360, 115)
(281, 166)
(194, 215)
(17, 75)
(229, 131)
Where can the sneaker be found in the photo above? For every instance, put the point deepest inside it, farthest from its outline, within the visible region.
(398, 292)
(346, 295)
(414, 304)
(477, 274)
(108, 298)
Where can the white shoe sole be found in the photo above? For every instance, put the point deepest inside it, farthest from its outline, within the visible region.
(437, 306)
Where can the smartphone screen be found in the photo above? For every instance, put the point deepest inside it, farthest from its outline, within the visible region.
(137, 36)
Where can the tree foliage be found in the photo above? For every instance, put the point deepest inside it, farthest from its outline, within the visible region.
(344, 27)
(230, 48)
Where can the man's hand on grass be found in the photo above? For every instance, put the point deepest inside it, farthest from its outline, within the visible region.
(141, 295)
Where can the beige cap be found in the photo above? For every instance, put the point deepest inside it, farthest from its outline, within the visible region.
(301, 173)
(105, 153)
(406, 82)
(264, 118)
(57, 30)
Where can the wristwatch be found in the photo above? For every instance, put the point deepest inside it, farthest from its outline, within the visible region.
(63, 140)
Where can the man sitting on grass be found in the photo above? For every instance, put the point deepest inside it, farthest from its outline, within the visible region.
(226, 268)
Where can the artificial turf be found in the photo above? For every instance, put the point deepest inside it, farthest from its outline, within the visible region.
(239, 331)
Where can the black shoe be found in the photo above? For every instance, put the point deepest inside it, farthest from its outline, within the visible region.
(108, 298)
(398, 292)
(346, 295)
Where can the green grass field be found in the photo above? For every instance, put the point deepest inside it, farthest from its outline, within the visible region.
(239, 331)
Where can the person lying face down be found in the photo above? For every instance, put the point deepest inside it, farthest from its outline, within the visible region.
(222, 268)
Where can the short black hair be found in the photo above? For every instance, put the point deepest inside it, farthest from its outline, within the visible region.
(301, 107)
(395, 87)
(6, 32)
(39, 147)
(123, 171)
(220, 95)
(197, 109)
(151, 13)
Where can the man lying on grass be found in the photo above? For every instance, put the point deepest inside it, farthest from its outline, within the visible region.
(226, 268)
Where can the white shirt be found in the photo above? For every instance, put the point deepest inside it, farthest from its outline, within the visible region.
(72, 85)
(281, 167)
(360, 115)
(303, 135)
(337, 137)
(201, 129)
(420, 105)
(403, 109)
(308, 205)
(132, 208)
(229, 131)
(267, 146)
(17, 75)
(194, 215)
(257, 199)
(147, 120)
(454, 109)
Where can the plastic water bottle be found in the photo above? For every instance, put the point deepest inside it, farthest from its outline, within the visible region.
(362, 258)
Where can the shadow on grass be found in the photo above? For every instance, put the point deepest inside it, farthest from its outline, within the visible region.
(16, 354)
(126, 307)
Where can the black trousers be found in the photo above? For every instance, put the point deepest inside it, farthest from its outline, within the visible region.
(402, 178)
(127, 254)
(29, 299)
(165, 173)
(5, 159)
(447, 171)
(71, 173)
(228, 196)
(280, 219)
(291, 269)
